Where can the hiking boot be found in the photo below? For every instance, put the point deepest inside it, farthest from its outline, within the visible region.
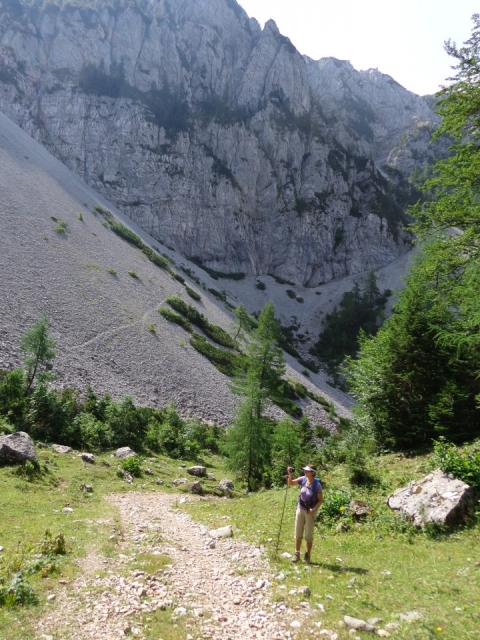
(296, 556)
(306, 557)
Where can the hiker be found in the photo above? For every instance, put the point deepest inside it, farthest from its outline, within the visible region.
(310, 499)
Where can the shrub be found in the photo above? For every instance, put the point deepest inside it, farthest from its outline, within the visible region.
(80, 216)
(127, 422)
(227, 362)
(90, 433)
(291, 293)
(335, 506)
(260, 285)
(61, 226)
(171, 316)
(13, 403)
(134, 275)
(112, 272)
(217, 334)
(178, 277)
(127, 234)
(132, 465)
(462, 465)
(192, 293)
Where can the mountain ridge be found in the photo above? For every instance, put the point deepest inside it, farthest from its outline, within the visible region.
(205, 130)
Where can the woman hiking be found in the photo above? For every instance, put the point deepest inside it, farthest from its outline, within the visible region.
(310, 499)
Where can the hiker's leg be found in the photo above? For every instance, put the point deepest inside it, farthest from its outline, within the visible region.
(299, 527)
(309, 524)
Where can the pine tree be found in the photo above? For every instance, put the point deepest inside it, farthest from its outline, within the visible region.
(39, 350)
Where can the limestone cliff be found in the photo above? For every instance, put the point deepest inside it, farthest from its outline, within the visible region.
(215, 136)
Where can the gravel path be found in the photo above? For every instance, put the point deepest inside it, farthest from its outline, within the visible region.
(223, 586)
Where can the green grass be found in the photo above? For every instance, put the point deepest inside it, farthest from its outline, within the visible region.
(380, 568)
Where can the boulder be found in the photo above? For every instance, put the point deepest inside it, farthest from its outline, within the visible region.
(359, 508)
(88, 457)
(197, 488)
(437, 498)
(357, 624)
(17, 447)
(197, 470)
(226, 485)
(222, 532)
(125, 452)
(61, 448)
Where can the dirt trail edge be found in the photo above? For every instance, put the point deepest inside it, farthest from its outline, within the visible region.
(222, 586)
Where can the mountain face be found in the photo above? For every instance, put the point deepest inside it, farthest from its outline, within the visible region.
(102, 294)
(215, 136)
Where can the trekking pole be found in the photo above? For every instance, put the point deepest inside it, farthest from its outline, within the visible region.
(281, 520)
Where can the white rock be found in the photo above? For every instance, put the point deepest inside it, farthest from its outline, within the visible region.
(222, 532)
(295, 624)
(357, 624)
(382, 633)
(410, 616)
(286, 555)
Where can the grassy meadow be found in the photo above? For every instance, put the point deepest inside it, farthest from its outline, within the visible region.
(378, 568)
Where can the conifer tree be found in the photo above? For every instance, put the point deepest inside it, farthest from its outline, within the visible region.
(39, 350)
(248, 441)
(420, 377)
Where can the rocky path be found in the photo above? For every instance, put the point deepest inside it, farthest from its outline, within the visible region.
(222, 586)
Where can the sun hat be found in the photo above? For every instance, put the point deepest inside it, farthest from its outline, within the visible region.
(309, 468)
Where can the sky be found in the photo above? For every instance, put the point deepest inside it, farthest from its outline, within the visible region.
(402, 38)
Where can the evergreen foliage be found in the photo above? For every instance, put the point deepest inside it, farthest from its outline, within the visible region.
(357, 312)
(248, 441)
(39, 351)
(419, 378)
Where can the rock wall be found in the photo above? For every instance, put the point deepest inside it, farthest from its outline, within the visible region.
(215, 136)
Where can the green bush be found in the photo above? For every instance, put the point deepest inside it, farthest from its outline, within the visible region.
(260, 285)
(291, 293)
(192, 293)
(127, 234)
(462, 465)
(171, 316)
(217, 334)
(227, 362)
(132, 465)
(90, 433)
(61, 226)
(335, 506)
(178, 277)
(134, 275)
(127, 423)
(13, 403)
